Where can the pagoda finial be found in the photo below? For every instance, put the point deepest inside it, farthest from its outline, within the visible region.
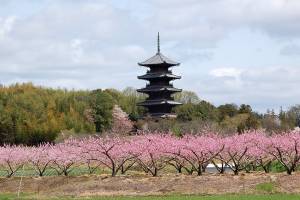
(158, 44)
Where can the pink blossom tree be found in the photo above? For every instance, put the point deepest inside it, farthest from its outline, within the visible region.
(121, 122)
(286, 150)
(39, 158)
(153, 152)
(108, 152)
(260, 157)
(64, 157)
(235, 153)
(219, 160)
(198, 151)
(12, 158)
(150, 152)
(173, 150)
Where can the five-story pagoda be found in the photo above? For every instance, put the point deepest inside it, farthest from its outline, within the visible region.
(159, 89)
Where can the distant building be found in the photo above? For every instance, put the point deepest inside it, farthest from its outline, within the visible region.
(159, 89)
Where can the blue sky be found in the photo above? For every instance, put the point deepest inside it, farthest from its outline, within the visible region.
(241, 51)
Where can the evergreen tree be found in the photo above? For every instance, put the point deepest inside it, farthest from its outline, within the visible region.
(102, 105)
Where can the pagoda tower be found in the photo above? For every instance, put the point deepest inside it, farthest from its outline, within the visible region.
(159, 89)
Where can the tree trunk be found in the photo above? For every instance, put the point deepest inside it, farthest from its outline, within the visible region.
(179, 169)
(236, 171)
(199, 170)
(267, 167)
(203, 167)
(113, 172)
(155, 172)
(122, 169)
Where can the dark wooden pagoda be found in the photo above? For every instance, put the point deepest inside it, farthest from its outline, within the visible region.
(159, 89)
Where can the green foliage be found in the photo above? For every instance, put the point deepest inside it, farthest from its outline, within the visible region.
(193, 108)
(245, 109)
(288, 119)
(251, 122)
(294, 115)
(127, 100)
(277, 167)
(271, 122)
(227, 110)
(177, 130)
(187, 97)
(185, 112)
(203, 116)
(202, 111)
(266, 187)
(235, 123)
(101, 104)
(234, 119)
(177, 127)
(31, 115)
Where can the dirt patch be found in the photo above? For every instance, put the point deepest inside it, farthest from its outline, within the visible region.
(146, 185)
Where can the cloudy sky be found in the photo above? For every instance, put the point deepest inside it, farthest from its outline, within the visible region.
(241, 51)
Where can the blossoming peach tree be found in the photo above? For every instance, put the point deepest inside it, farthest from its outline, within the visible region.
(151, 153)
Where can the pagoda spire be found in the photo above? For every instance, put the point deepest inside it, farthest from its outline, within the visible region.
(158, 43)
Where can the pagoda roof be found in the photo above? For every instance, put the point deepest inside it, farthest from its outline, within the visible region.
(159, 88)
(159, 75)
(158, 59)
(158, 102)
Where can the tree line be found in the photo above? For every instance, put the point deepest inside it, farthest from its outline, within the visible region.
(32, 115)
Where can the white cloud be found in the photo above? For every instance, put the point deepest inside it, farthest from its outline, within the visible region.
(226, 72)
(77, 50)
(265, 87)
(96, 44)
(211, 19)
(6, 25)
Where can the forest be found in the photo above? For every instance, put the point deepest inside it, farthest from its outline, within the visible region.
(32, 115)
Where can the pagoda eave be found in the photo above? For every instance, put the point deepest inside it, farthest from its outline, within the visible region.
(146, 90)
(158, 59)
(159, 102)
(159, 64)
(158, 76)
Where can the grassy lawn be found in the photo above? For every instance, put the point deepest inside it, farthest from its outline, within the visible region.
(179, 197)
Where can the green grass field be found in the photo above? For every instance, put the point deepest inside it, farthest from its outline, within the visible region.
(179, 197)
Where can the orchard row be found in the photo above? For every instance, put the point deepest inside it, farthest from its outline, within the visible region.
(153, 152)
